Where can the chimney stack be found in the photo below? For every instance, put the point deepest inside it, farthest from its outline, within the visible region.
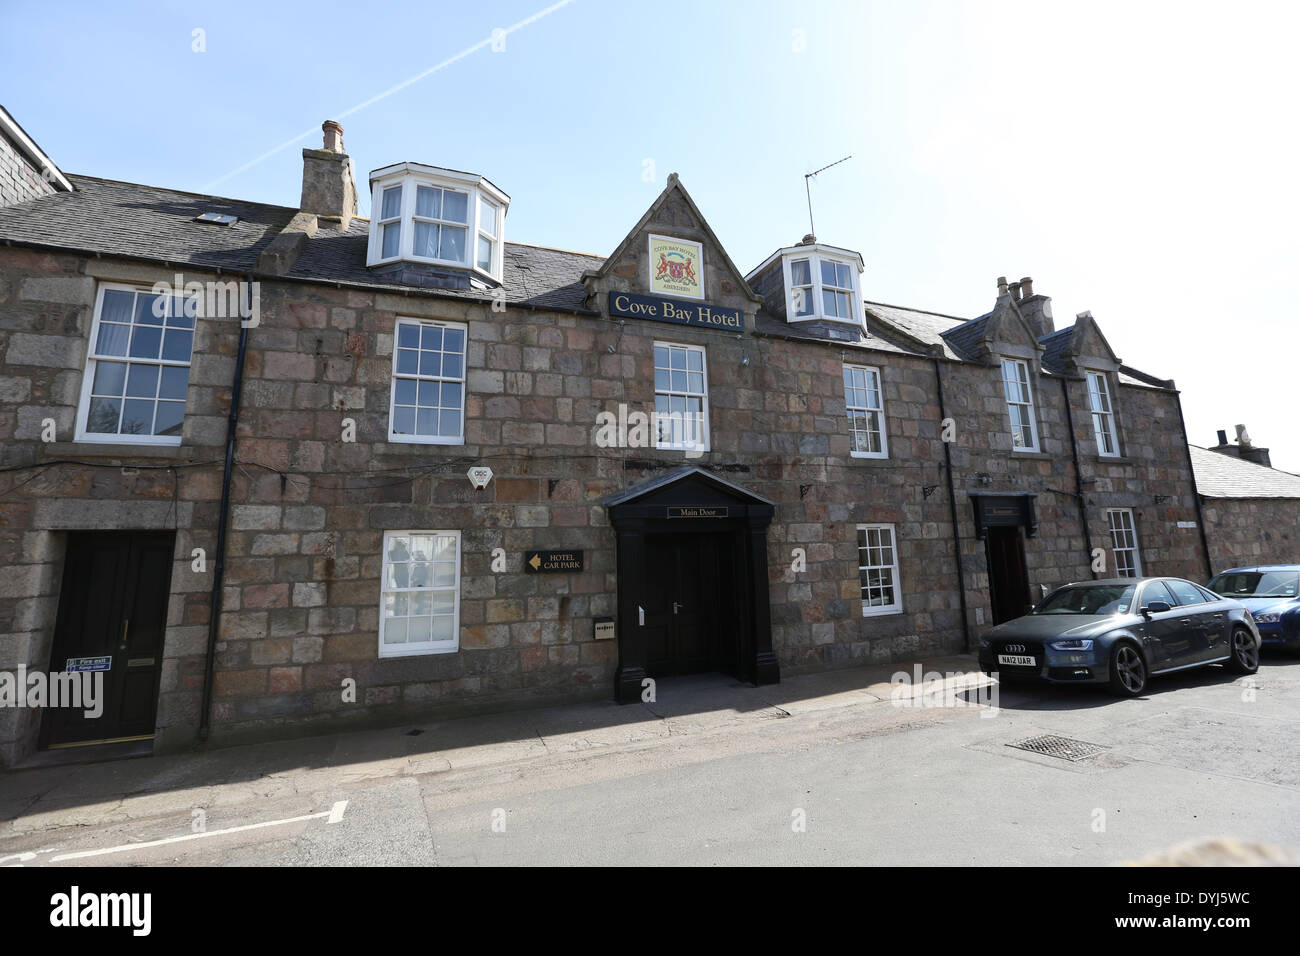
(808, 240)
(1244, 449)
(329, 191)
(1002, 286)
(1015, 290)
(1037, 309)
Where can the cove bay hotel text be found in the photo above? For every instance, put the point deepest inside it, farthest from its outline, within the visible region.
(799, 510)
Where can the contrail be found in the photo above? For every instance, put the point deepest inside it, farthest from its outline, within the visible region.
(390, 91)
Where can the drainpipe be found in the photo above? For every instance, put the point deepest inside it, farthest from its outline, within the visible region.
(1078, 475)
(218, 568)
(1196, 495)
(952, 510)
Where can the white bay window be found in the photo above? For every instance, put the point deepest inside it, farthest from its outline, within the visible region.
(427, 214)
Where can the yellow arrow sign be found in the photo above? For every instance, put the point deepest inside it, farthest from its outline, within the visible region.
(535, 561)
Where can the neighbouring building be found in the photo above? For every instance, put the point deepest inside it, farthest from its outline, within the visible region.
(269, 512)
(1252, 510)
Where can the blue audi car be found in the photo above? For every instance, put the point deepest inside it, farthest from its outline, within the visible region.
(1272, 593)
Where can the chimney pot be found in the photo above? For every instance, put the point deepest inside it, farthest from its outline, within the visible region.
(1002, 285)
(808, 240)
(1243, 436)
(333, 136)
(1026, 287)
(1223, 436)
(1015, 290)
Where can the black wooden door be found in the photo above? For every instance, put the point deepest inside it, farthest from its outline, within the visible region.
(1008, 576)
(113, 604)
(687, 600)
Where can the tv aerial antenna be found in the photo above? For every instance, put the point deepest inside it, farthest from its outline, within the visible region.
(807, 181)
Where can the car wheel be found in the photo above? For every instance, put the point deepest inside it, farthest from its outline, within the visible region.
(1128, 672)
(1244, 657)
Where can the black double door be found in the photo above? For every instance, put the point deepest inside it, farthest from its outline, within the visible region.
(691, 623)
(1008, 575)
(112, 617)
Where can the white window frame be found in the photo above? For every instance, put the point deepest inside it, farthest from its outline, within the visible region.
(467, 227)
(88, 374)
(381, 223)
(1028, 403)
(1103, 414)
(868, 371)
(703, 444)
(857, 313)
(424, 647)
(417, 377)
(1117, 546)
(479, 192)
(875, 610)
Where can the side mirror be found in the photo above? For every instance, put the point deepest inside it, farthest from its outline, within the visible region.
(1155, 607)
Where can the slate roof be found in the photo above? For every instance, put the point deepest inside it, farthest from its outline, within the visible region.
(1223, 476)
(925, 327)
(1054, 347)
(146, 222)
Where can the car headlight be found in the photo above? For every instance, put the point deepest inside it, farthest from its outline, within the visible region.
(1072, 644)
(1268, 617)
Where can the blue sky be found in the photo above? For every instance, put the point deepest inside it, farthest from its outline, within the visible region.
(1138, 163)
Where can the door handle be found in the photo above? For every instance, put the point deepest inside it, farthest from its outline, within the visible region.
(675, 607)
(126, 624)
(1186, 622)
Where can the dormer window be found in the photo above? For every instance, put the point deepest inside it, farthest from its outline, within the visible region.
(820, 284)
(426, 214)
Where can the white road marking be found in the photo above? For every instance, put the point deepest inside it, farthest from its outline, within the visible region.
(334, 814)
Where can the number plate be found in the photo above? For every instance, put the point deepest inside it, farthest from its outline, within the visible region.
(1019, 660)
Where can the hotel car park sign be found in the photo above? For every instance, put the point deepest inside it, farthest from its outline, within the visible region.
(676, 269)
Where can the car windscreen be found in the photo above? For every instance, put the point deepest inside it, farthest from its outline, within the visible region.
(1237, 584)
(1089, 599)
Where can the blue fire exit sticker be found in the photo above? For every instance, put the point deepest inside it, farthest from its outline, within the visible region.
(89, 664)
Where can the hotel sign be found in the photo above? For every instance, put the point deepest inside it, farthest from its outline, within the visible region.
(659, 309)
(552, 562)
(676, 267)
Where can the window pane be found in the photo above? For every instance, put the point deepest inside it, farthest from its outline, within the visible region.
(452, 245)
(174, 382)
(451, 395)
(145, 342)
(455, 206)
(454, 340)
(800, 274)
(112, 339)
(137, 417)
(404, 393)
(408, 335)
(408, 361)
(484, 254)
(110, 378)
(427, 202)
(392, 236)
(103, 415)
(142, 381)
(426, 240)
(404, 420)
(392, 202)
(488, 217)
(150, 309)
(828, 273)
(451, 364)
(170, 418)
(118, 306)
(176, 345)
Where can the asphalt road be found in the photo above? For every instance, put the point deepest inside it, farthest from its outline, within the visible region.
(818, 770)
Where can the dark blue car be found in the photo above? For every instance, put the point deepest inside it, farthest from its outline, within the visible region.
(1272, 593)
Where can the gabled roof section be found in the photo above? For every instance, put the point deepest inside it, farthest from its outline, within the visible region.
(1064, 347)
(10, 128)
(1223, 476)
(978, 339)
(677, 475)
(674, 190)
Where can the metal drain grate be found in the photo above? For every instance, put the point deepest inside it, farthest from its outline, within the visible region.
(1051, 745)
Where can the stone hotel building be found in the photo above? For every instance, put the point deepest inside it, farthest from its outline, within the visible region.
(246, 453)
